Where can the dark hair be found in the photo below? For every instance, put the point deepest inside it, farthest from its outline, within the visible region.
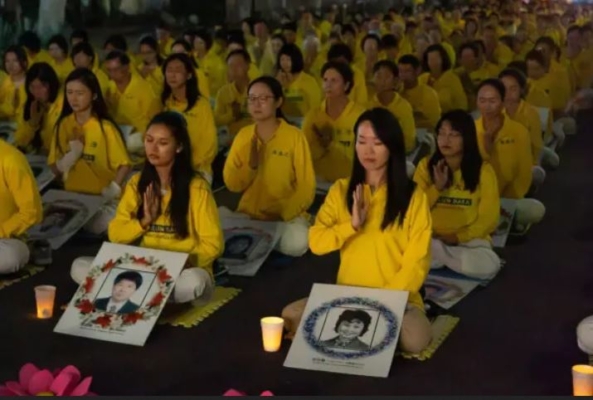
(508, 41)
(371, 36)
(340, 50)
(471, 162)
(131, 276)
(351, 315)
(98, 106)
(471, 46)
(489, 28)
(237, 37)
(296, 58)
(276, 89)
(79, 34)
(348, 28)
(343, 69)
(205, 36)
(163, 25)
(279, 36)
(546, 40)
(30, 41)
(46, 74)
(399, 187)
(520, 66)
(61, 42)
(289, 26)
(182, 174)
(192, 35)
(154, 45)
(496, 84)
(516, 75)
(409, 59)
(122, 57)
(445, 60)
(536, 56)
(117, 41)
(20, 54)
(83, 47)
(192, 93)
(387, 64)
(389, 41)
(239, 52)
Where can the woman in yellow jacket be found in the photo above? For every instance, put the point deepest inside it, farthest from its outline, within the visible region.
(181, 94)
(380, 222)
(84, 56)
(41, 110)
(87, 151)
(150, 66)
(506, 145)
(21, 207)
(442, 79)
(167, 206)
(328, 128)
(60, 62)
(214, 68)
(301, 92)
(270, 164)
(463, 196)
(182, 47)
(12, 90)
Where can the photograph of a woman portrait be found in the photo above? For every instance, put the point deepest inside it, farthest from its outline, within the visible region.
(350, 327)
(124, 287)
(55, 219)
(240, 247)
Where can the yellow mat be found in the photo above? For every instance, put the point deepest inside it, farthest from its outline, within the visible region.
(24, 273)
(442, 327)
(194, 315)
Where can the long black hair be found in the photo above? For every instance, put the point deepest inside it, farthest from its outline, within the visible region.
(182, 174)
(98, 106)
(399, 187)
(276, 89)
(192, 93)
(471, 161)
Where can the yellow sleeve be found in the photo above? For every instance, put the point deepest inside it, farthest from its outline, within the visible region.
(488, 209)
(458, 96)
(424, 181)
(223, 113)
(416, 258)
(329, 233)
(24, 134)
(207, 144)
(203, 83)
(23, 186)
(237, 173)
(125, 228)
(535, 134)
(522, 181)
(116, 150)
(206, 225)
(317, 151)
(304, 183)
(359, 92)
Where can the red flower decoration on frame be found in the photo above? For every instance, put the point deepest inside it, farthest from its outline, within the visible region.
(85, 307)
(104, 321)
(132, 318)
(140, 260)
(110, 264)
(163, 276)
(156, 300)
(88, 284)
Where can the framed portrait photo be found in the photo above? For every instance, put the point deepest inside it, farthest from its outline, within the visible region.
(123, 294)
(348, 330)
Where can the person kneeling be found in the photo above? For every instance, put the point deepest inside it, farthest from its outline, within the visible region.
(20, 207)
(380, 221)
(169, 207)
(463, 195)
(271, 164)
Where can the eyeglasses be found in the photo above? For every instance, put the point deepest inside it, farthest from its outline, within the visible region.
(259, 99)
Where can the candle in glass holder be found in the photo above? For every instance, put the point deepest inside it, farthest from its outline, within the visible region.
(272, 329)
(44, 297)
(582, 380)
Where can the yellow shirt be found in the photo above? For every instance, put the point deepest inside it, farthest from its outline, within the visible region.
(397, 258)
(528, 116)
(205, 242)
(42, 56)
(582, 65)
(203, 83)
(26, 132)
(155, 79)
(215, 70)
(502, 55)
(223, 110)
(135, 106)
(283, 185)
(359, 93)
(63, 69)
(103, 154)
(510, 158)
(202, 131)
(456, 210)
(426, 105)
(335, 161)
(402, 110)
(448, 87)
(102, 78)
(8, 109)
(302, 95)
(557, 87)
(165, 47)
(19, 194)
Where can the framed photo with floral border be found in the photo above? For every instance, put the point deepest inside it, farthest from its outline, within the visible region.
(123, 295)
(349, 330)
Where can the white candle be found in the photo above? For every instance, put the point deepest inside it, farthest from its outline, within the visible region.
(272, 329)
(582, 380)
(44, 297)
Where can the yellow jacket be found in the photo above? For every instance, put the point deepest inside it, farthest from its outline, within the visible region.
(397, 258)
(448, 87)
(302, 95)
(283, 186)
(359, 92)
(557, 86)
(528, 116)
(26, 132)
(8, 109)
(402, 110)
(62, 70)
(205, 242)
(215, 71)
(223, 110)
(456, 210)
(426, 105)
(19, 194)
